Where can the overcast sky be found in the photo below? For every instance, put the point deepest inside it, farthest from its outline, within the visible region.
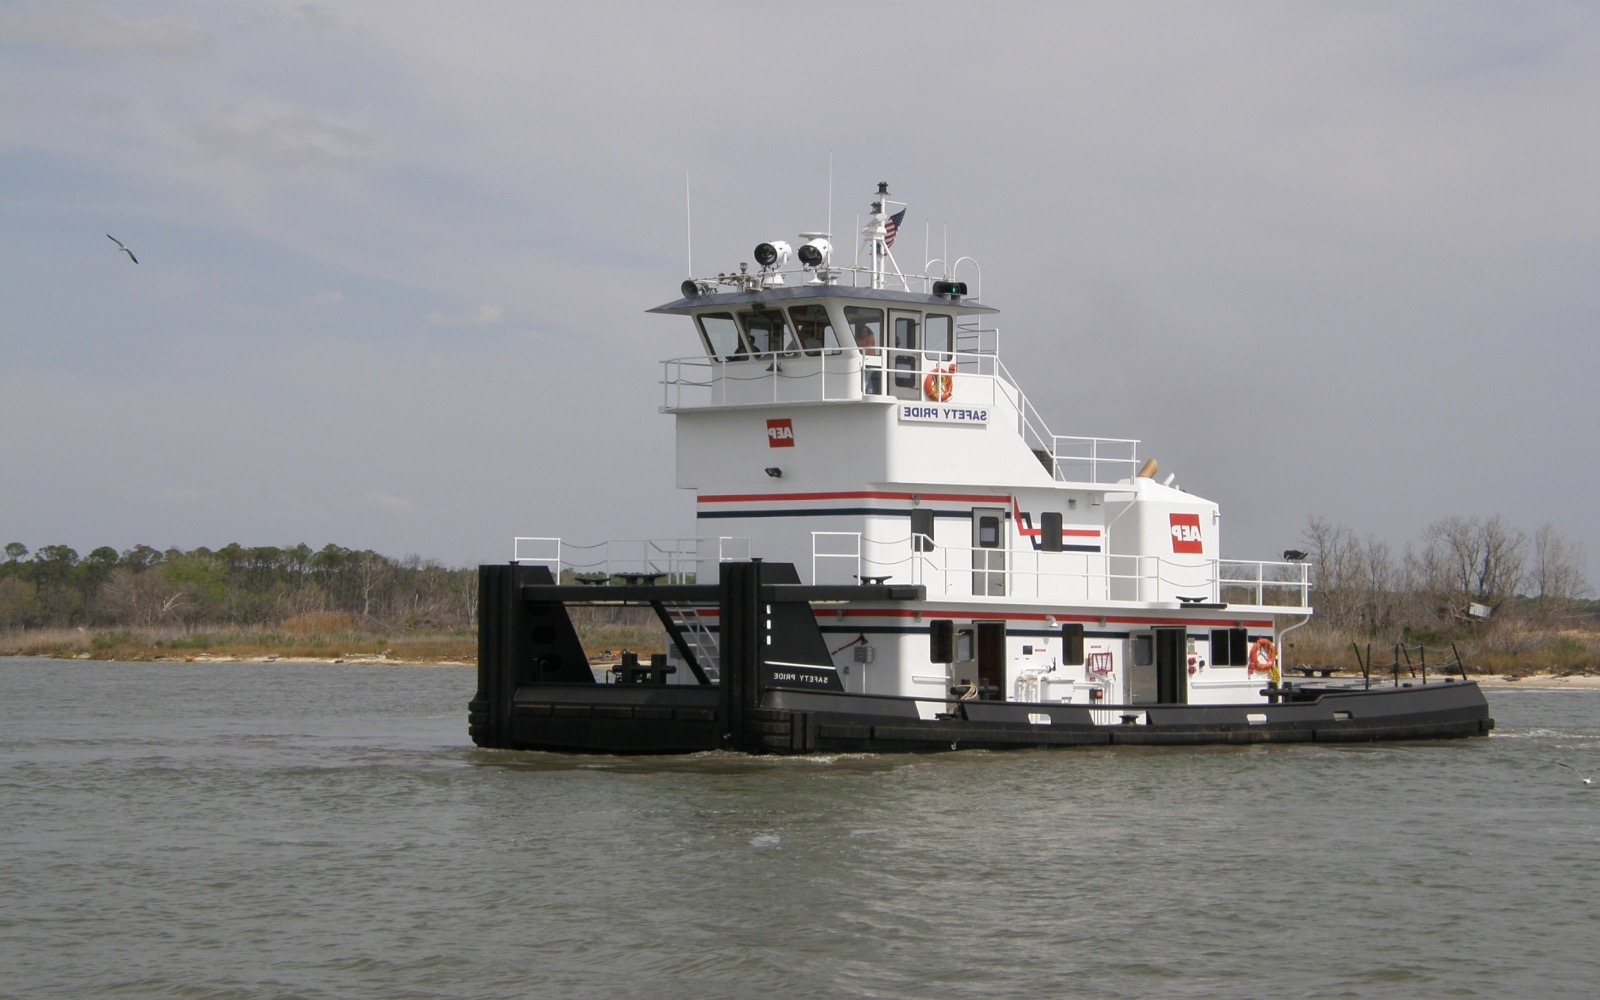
(1322, 259)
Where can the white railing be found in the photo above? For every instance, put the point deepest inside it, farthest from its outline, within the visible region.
(652, 560)
(951, 572)
(844, 557)
(841, 375)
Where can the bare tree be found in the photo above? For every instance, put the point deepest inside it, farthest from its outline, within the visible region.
(1557, 575)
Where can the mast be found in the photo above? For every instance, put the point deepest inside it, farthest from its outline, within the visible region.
(877, 239)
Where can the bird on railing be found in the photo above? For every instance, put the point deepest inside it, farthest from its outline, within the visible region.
(1588, 779)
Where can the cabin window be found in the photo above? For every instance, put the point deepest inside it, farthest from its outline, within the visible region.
(988, 531)
(1144, 650)
(1050, 531)
(768, 332)
(1230, 647)
(721, 336)
(938, 337)
(966, 645)
(922, 529)
(941, 641)
(866, 333)
(813, 328)
(1072, 644)
(905, 365)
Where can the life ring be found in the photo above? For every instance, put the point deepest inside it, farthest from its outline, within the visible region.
(938, 385)
(1264, 659)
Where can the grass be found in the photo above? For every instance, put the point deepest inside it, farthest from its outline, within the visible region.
(1507, 651)
(308, 638)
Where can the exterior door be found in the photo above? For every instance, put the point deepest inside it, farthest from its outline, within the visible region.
(988, 552)
(992, 661)
(1156, 668)
(905, 355)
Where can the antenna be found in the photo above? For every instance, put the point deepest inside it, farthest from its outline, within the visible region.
(830, 193)
(688, 223)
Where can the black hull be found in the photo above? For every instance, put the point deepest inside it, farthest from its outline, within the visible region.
(537, 691)
(667, 720)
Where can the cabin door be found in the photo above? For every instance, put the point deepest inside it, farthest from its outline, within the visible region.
(1156, 673)
(979, 667)
(988, 552)
(905, 355)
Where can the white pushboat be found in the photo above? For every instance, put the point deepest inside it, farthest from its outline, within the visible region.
(895, 553)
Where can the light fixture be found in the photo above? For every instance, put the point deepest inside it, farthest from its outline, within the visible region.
(772, 254)
(1293, 555)
(816, 251)
(774, 472)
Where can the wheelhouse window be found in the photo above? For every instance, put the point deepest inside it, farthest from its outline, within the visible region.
(866, 332)
(721, 336)
(938, 337)
(905, 365)
(768, 332)
(813, 328)
(866, 327)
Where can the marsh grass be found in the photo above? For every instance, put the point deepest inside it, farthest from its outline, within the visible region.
(1507, 651)
(317, 636)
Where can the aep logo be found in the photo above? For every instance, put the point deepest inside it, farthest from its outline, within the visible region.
(1186, 533)
(780, 433)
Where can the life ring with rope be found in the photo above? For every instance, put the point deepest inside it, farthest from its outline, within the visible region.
(939, 385)
(1264, 659)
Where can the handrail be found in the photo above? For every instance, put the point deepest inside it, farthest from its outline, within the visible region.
(835, 375)
(948, 572)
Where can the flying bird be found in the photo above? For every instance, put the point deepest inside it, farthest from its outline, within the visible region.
(122, 248)
(1588, 779)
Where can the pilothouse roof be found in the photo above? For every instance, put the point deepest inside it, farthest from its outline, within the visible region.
(792, 293)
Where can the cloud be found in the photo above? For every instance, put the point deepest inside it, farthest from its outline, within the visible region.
(485, 315)
(87, 28)
(323, 300)
(376, 500)
(274, 135)
(189, 496)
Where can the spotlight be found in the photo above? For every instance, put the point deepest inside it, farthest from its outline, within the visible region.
(774, 472)
(816, 252)
(1293, 555)
(772, 254)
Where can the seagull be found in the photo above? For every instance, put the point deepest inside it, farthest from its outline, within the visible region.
(122, 248)
(1588, 779)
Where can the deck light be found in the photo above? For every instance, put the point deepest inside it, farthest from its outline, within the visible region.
(815, 252)
(774, 472)
(774, 253)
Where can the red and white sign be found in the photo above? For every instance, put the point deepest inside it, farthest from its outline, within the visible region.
(780, 433)
(1186, 533)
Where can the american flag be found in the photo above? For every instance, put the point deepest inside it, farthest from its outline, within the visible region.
(892, 229)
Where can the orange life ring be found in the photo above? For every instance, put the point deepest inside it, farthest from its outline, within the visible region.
(1263, 657)
(938, 385)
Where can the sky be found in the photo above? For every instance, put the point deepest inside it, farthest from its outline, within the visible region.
(1334, 260)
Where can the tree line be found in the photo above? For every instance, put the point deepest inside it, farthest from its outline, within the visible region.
(234, 585)
(1464, 574)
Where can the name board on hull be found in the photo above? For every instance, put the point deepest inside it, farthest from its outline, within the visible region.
(942, 413)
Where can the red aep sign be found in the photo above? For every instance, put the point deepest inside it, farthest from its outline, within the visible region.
(1186, 533)
(780, 433)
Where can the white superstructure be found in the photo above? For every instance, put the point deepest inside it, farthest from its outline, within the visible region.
(857, 422)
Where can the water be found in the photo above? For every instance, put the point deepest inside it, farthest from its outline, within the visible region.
(251, 831)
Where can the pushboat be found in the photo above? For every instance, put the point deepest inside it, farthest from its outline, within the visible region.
(893, 552)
